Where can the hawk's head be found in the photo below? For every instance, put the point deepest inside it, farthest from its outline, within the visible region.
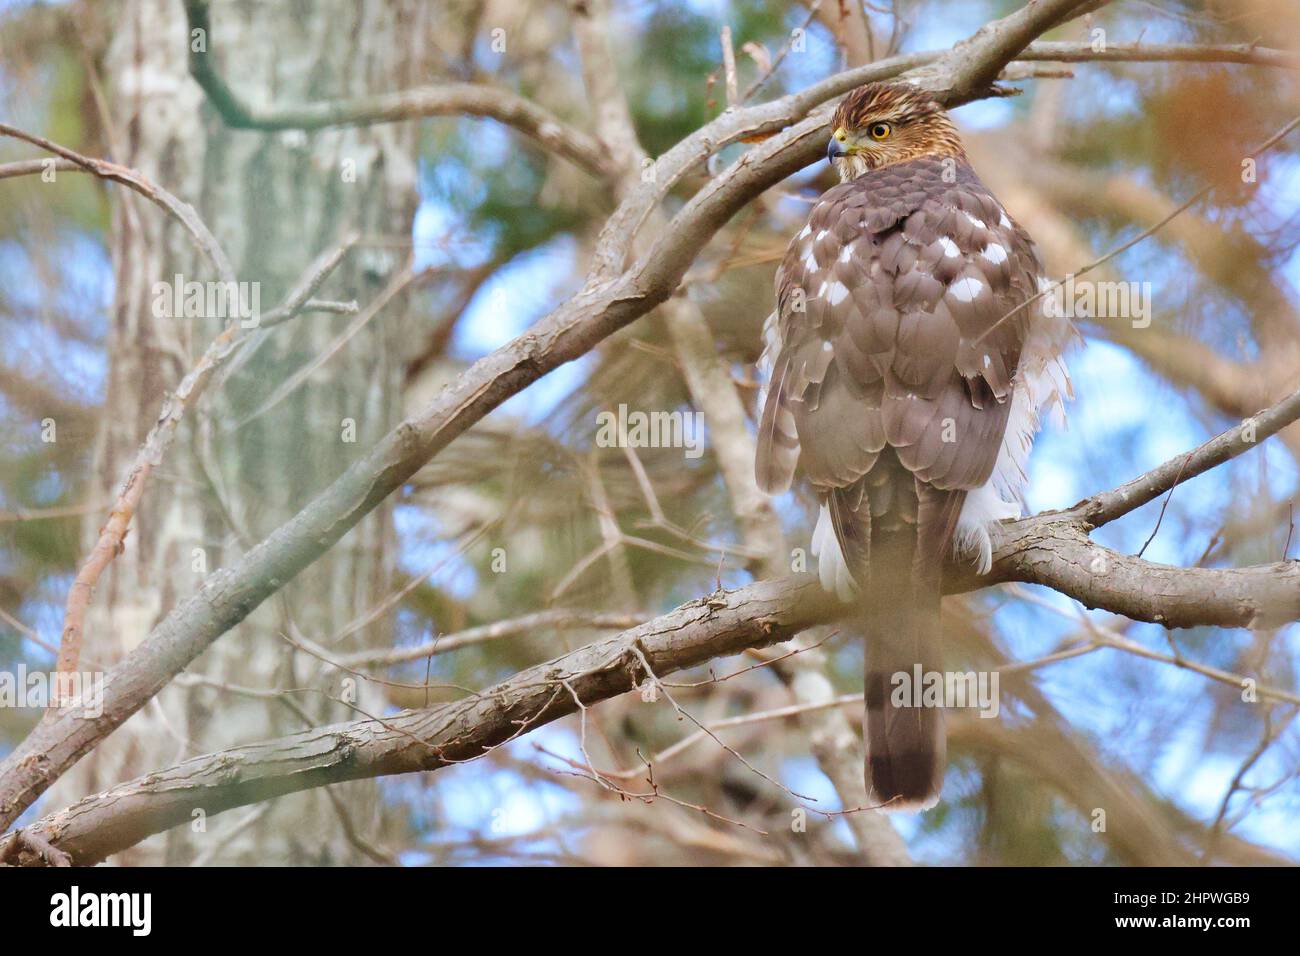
(883, 123)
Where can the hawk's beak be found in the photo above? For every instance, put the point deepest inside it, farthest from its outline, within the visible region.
(834, 150)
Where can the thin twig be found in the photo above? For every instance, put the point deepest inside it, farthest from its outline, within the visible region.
(682, 713)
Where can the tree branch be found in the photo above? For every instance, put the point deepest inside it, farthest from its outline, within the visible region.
(1107, 506)
(1051, 549)
(179, 210)
(446, 99)
(721, 624)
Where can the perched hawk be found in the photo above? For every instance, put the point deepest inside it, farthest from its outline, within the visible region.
(907, 383)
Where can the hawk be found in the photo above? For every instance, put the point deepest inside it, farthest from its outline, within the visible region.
(907, 370)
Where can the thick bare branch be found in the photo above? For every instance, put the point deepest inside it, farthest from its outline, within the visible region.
(975, 63)
(426, 739)
(1055, 551)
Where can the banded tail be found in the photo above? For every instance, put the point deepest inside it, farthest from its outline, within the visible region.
(894, 532)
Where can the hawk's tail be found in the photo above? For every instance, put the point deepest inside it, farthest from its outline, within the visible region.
(907, 541)
(904, 737)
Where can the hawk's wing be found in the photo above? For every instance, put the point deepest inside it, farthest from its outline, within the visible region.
(890, 331)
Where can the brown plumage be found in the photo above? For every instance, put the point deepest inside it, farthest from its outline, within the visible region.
(892, 375)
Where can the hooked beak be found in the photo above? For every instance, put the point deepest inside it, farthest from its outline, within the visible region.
(834, 150)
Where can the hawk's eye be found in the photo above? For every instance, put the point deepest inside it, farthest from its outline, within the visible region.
(880, 131)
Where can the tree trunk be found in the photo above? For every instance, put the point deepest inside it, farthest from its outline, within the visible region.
(275, 201)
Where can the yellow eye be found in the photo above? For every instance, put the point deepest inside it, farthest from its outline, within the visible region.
(880, 131)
